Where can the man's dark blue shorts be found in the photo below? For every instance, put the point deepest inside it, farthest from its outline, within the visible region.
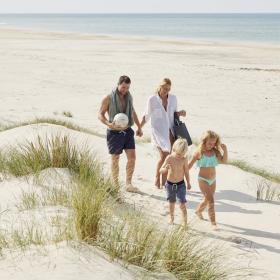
(176, 189)
(117, 141)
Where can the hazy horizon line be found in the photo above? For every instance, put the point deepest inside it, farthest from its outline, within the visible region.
(133, 13)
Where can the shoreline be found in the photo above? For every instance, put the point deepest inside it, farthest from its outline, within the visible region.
(148, 38)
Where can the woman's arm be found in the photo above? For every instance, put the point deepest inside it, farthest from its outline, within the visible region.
(147, 113)
(136, 120)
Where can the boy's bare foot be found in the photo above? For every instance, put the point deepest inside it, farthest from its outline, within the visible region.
(199, 215)
(132, 189)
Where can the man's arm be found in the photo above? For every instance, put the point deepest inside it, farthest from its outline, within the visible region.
(103, 110)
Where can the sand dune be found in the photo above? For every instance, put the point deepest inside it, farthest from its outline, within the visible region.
(249, 231)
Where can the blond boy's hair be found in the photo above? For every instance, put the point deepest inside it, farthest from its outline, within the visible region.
(180, 147)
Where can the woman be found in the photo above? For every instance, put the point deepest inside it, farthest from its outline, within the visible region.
(160, 109)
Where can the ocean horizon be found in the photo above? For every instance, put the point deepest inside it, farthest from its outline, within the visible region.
(235, 27)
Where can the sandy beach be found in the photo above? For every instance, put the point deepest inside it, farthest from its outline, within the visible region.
(230, 88)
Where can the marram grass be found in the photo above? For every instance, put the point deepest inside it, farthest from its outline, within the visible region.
(97, 219)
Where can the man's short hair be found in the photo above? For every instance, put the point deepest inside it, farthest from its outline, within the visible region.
(124, 79)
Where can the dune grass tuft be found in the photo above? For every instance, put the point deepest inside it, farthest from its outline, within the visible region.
(255, 170)
(67, 114)
(267, 191)
(97, 219)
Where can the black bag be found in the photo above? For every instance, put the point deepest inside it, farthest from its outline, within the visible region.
(181, 130)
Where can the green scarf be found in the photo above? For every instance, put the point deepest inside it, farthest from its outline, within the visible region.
(115, 106)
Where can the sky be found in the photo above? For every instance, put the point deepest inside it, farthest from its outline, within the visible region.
(139, 6)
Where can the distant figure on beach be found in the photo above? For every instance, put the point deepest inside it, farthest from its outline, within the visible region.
(120, 138)
(176, 167)
(209, 154)
(160, 109)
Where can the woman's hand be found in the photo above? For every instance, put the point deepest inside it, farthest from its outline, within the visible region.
(182, 113)
(189, 185)
(139, 132)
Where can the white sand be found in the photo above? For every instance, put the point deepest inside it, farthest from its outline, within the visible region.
(233, 89)
(254, 225)
(43, 73)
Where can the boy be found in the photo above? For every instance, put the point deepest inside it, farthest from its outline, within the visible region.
(176, 167)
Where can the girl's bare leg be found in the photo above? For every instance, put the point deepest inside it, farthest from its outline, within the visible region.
(208, 192)
(201, 207)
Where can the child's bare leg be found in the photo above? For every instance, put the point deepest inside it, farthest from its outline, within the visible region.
(201, 207)
(184, 213)
(211, 205)
(171, 212)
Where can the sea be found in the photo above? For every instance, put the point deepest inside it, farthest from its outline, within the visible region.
(256, 28)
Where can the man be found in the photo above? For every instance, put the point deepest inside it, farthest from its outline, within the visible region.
(119, 139)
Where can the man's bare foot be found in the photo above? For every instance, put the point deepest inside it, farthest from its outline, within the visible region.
(199, 215)
(131, 188)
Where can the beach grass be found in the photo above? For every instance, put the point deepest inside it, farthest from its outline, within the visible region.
(97, 219)
(67, 114)
(266, 191)
(243, 165)
(255, 170)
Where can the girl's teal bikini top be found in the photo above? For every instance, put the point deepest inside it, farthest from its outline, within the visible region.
(206, 161)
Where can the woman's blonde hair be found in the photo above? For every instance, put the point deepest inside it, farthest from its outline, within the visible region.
(209, 134)
(165, 82)
(180, 147)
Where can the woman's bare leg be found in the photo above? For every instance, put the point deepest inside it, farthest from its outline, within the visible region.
(160, 162)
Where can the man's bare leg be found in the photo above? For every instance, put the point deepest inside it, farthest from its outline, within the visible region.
(130, 166)
(115, 170)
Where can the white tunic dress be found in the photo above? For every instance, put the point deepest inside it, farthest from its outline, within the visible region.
(161, 121)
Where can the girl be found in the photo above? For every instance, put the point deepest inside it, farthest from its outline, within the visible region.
(208, 156)
(176, 168)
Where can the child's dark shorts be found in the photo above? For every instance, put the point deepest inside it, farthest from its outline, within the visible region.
(117, 141)
(174, 190)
